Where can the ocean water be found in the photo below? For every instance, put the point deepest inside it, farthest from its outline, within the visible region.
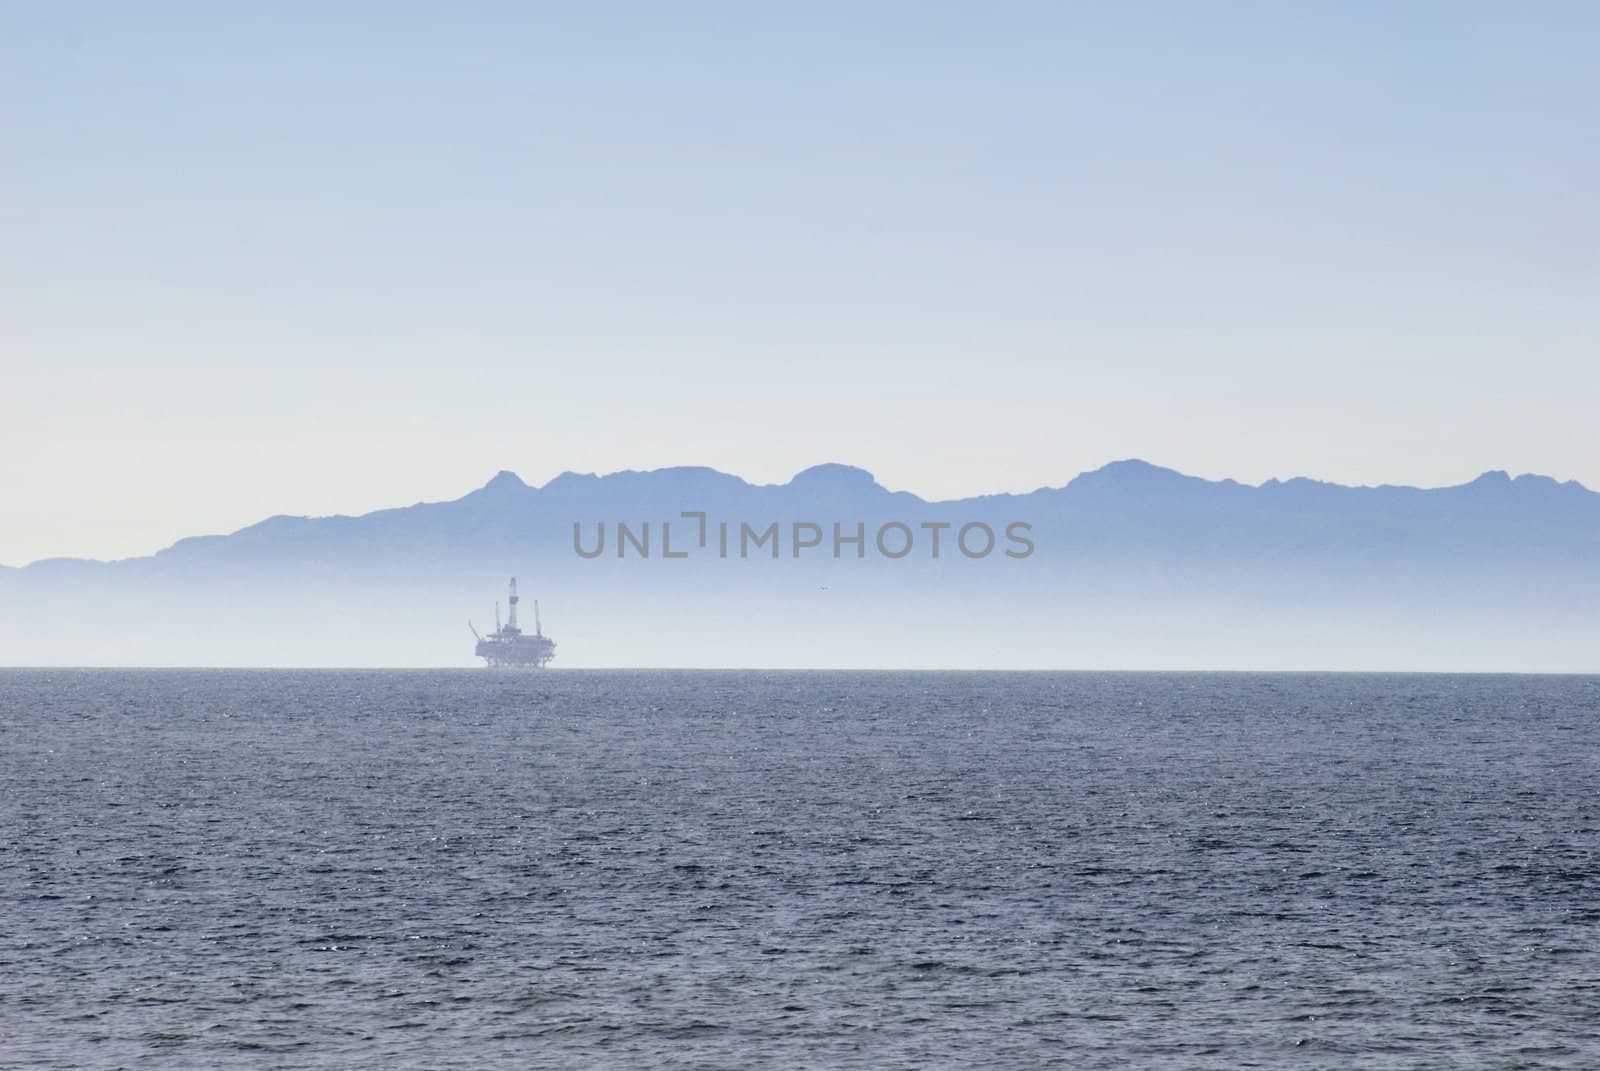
(481, 869)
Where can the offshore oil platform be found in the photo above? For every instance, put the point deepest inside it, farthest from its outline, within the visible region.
(508, 645)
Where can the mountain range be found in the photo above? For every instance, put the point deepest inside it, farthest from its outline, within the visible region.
(1128, 566)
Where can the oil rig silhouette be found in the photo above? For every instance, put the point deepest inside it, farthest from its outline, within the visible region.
(508, 645)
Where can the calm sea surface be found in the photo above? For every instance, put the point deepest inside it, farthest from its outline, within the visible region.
(789, 870)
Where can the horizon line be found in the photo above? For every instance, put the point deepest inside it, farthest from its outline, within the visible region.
(532, 673)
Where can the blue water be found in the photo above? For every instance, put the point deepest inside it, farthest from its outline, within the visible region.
(648, 870)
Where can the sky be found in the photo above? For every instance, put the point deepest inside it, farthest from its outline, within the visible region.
(336, 257)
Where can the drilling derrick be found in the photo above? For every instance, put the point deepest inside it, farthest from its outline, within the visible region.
(507, 645)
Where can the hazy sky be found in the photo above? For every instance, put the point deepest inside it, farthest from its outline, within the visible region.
(316, 261)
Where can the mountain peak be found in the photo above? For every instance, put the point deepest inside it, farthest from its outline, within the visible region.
(1136, 466)
(505, 480)
(1131, 472)
(835, 477)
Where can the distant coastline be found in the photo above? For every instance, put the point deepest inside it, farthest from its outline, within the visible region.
(1132, 567)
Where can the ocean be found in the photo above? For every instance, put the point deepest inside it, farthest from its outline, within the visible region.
(567, 869)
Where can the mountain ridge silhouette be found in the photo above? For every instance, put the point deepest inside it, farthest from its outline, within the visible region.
(1130, 484)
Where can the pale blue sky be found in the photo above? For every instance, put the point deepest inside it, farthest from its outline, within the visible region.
(315, 262)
